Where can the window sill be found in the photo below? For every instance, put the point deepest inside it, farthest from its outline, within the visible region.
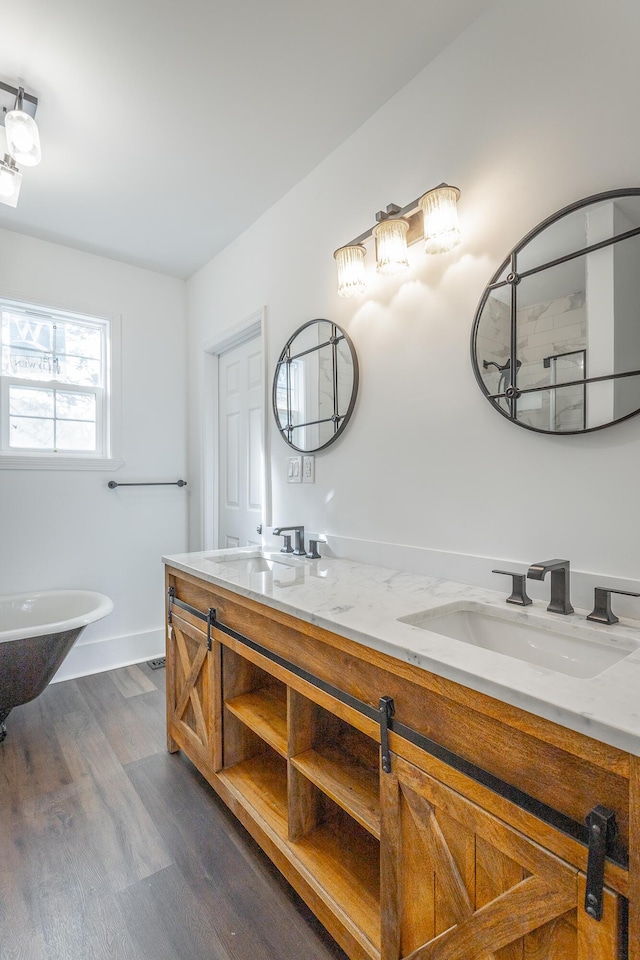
(54, 462)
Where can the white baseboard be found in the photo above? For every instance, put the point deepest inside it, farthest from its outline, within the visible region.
(111, 653)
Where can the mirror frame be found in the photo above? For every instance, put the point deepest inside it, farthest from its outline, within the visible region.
(339, 420)
(510, 264)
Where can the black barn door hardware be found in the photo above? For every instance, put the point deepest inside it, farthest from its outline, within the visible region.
(387, 710)
(211, 620)
(209, 617)
(602, 830)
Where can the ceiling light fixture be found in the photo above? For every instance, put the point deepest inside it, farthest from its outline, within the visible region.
(17, 112)
(432, 217)
(10, 181)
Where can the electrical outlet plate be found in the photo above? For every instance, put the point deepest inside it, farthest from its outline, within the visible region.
(308, 469)
(294, 469)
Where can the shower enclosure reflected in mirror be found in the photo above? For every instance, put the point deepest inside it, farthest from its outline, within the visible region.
(315, 386)
(555, 344)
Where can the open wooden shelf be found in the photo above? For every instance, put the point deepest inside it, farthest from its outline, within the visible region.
(265, 712)
(344, 859)
(352, 785)
(260, 783)
(339, 760)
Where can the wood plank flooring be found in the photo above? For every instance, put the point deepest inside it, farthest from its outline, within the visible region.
(112, 849)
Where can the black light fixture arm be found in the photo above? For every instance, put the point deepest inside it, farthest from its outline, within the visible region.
(21, 100)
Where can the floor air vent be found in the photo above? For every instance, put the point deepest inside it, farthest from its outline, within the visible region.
(157, 664)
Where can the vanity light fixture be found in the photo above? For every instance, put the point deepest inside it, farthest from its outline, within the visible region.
(432, 217)
(17, 111)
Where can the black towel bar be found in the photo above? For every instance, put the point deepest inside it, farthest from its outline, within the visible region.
(167, 483)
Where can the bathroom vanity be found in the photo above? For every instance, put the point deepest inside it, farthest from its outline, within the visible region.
(426, 797)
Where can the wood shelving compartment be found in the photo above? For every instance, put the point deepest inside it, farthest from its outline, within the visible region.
(260, 784)
(255, 706)
(345, 861)
(343, 763)
(265, 712)
(254, 742)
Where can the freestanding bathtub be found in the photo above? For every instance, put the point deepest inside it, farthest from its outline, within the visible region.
(37, 630)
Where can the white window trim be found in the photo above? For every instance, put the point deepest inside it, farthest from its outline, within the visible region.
(113, 427)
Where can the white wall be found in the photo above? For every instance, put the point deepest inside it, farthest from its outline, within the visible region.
(67, 529)
(527, 111)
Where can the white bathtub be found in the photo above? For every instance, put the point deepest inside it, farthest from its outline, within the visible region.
(54, 611)
(37, 630)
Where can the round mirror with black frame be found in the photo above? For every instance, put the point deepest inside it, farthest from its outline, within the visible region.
(555, 344)
(315, 386)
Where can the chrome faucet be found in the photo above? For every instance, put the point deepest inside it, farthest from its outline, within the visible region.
(299, 550)
(560, 583)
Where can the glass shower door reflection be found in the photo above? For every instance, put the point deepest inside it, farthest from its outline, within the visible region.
(567, 405)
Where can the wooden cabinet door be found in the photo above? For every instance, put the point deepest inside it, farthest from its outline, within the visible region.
(458, 884)
(193, 693)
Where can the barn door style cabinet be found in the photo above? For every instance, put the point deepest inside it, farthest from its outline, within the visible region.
(418, 819)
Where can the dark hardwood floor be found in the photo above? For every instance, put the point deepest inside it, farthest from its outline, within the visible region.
(112, 849)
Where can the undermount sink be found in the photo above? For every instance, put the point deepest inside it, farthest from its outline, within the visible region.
(260, 564)
(263, 565)
(581, 651)
(257, 561)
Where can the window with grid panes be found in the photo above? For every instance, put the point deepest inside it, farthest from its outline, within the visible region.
(53, 382)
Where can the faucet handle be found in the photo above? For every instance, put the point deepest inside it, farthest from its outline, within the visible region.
(287, 548)
(518, 588)
(602, 612)
(312, 553)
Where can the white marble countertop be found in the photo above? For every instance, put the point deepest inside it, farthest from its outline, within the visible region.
(364, 603)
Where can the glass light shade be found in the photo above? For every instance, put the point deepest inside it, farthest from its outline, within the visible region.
(350, 264)
(10, 182)
(391, 246)
(440, 212)
(23, 139)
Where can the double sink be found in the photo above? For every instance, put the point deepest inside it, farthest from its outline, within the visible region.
(569, 646)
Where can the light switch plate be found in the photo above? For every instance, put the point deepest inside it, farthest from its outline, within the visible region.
(294, 470)
(308, 469)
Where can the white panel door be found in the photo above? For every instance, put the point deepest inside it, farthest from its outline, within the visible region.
(240, 424)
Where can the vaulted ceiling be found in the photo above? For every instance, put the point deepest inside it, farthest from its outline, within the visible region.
(169, 126)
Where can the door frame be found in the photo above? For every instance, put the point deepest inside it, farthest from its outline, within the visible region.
(255, 325)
